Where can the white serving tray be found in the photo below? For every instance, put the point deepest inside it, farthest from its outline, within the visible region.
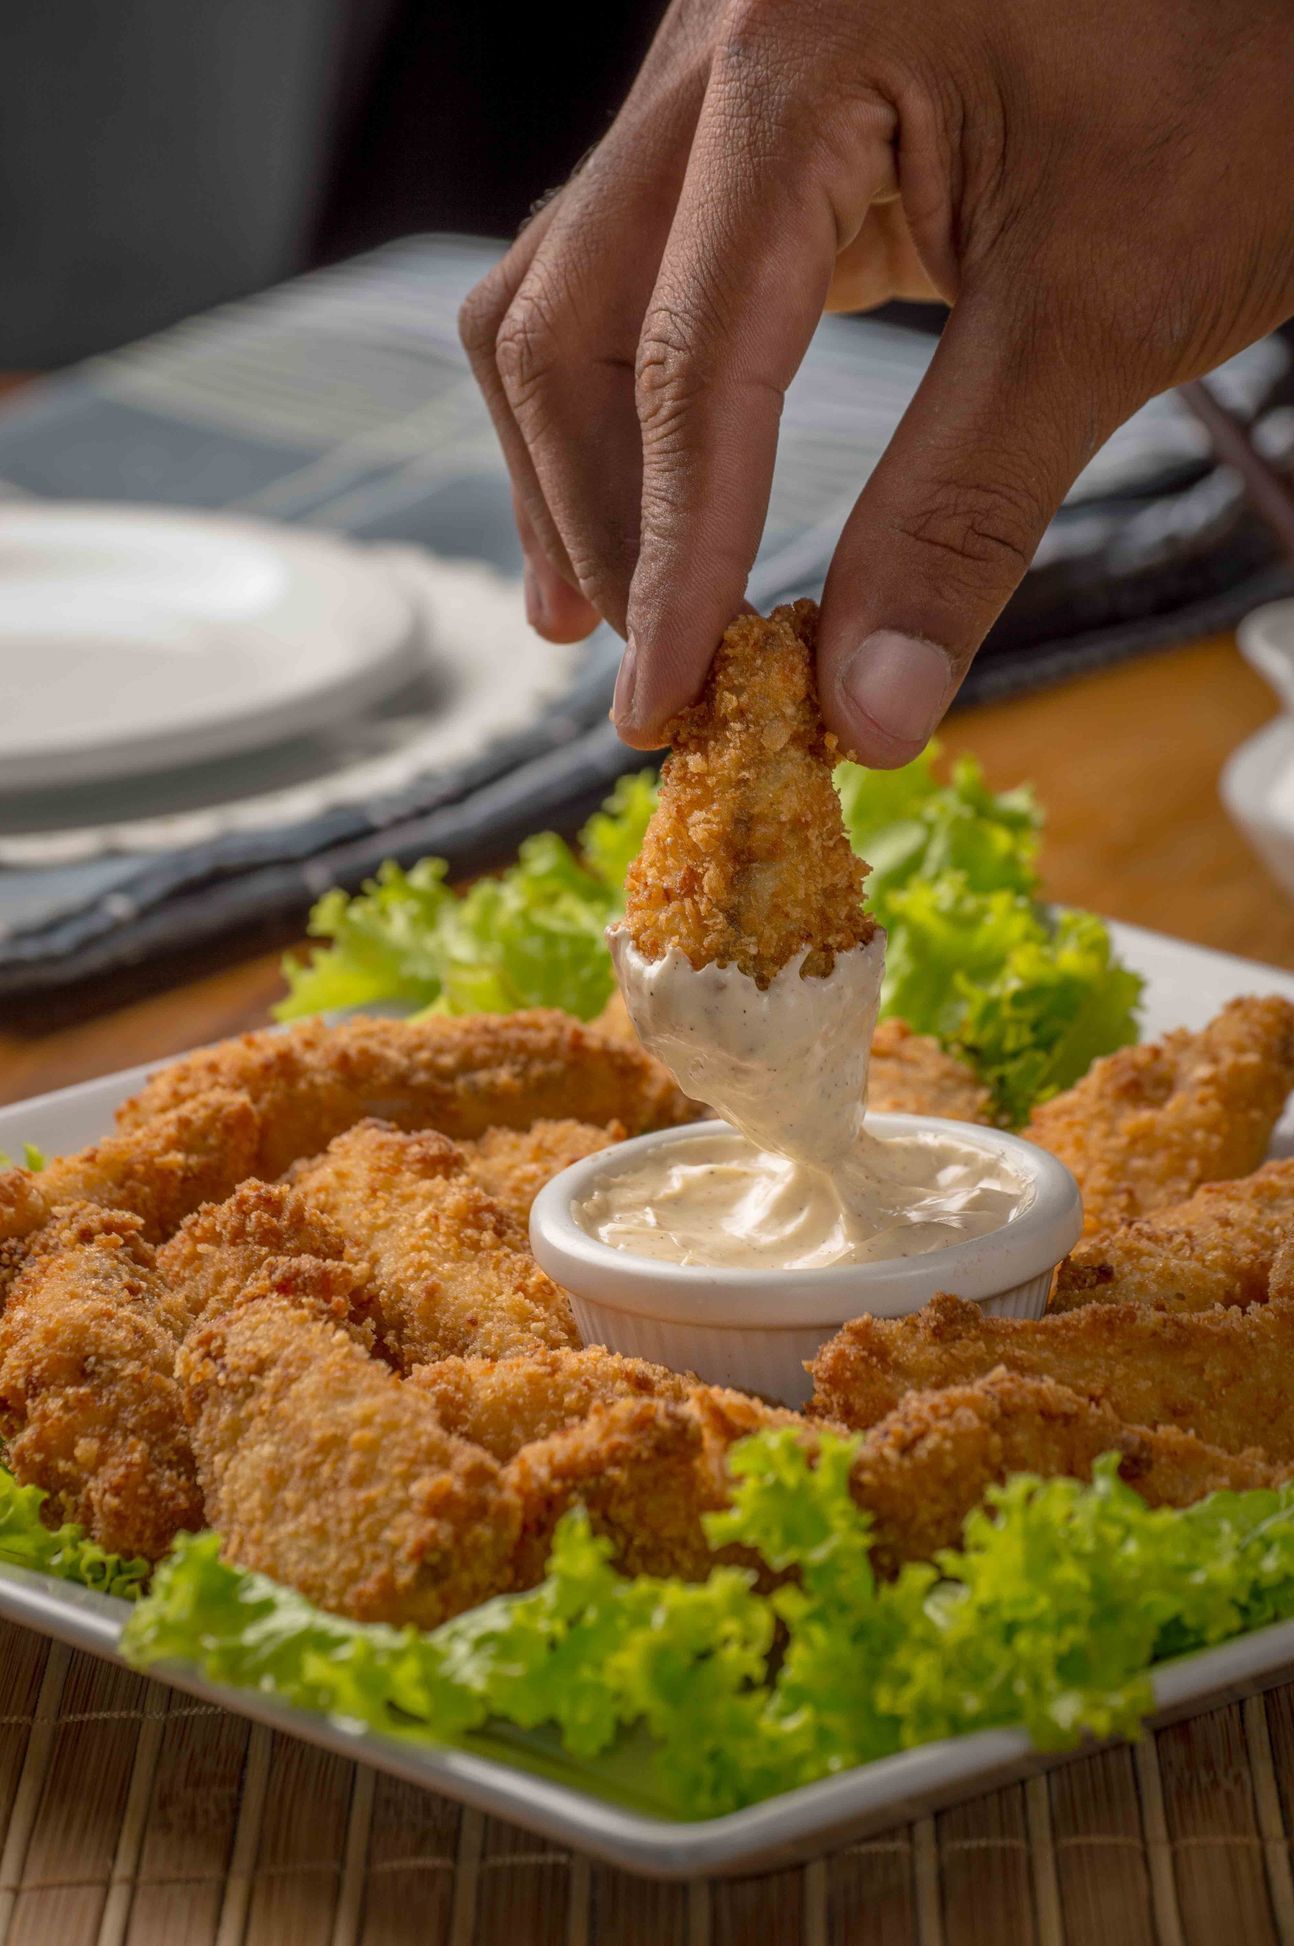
(1186, 986)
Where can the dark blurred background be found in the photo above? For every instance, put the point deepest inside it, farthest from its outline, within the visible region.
(158, 156)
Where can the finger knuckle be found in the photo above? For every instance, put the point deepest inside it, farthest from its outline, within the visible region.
(669, 380)
(480, 315)
(977, 535)
(526, 349)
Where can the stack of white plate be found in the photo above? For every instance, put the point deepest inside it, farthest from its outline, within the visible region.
(168, 678)
(134, 640)
(1257, 783)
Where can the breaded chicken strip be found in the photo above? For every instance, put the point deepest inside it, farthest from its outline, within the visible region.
(924, 1467)
(223, 1247)
(311, 1082)
(190, 1155)
(1147, 1126)
(325, 1470)
(89, 1403)
(921, 1470)
(512, 1164)
(451, 1272)
(1223, 1375)
(745, 862)
(637, 1466)
(912, 1075)
(1280, 1285)
(1218, 1247)
(504, 1403)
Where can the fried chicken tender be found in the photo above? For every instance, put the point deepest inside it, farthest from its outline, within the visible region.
(745, 861)
(638, 1467)
(1280, 1285)
(89, 1403)
(451, 1272)
(322, 1468)
(1218, 1247)
(1146, 1127)
(311, 1082)
(912, 1075)
(512, 1164)
(503, 1404)
(223, 1247)
(195, 1152)
(1223, 1375)
(928, 1463)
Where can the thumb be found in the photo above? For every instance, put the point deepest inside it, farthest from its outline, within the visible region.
(1004, 419)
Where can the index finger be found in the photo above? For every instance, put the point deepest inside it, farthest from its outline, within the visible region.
(767, 203)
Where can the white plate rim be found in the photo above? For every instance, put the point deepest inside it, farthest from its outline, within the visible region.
(387, 652)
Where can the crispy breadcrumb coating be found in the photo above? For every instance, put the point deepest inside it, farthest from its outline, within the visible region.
(745, 861)
(912, 1075)
(1280, 1285)
(311, 1082)
(1223, 1375)
(512, 1164)
(451, 1272)
(637, 1467)
(223, 1247)
(1147, 1126)
(322, 1468)
(196, 1152)
(89, 1403)
(504, 1403)
(923, 1468)
(1218, 1247)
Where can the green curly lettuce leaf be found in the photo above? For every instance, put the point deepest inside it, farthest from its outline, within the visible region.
(66, 1551)
(975, 958)
(613, 836)
(1029, 996)
(534, 936)
(698, 1698)
(385, 943)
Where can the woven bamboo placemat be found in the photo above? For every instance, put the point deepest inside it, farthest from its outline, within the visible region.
(132, 1816)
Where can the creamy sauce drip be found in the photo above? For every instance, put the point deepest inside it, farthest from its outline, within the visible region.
(796, 1181)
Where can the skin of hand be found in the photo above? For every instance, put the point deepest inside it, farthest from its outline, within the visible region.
(1103, 193)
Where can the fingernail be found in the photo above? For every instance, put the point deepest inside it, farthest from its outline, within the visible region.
(536, 609)
(622, 703)
(901, 684)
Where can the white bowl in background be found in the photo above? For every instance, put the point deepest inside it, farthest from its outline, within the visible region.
(756, 1329)
(1257, 781)
(1266, 638)
(1257, 788)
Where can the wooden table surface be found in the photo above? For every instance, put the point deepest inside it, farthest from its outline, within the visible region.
(128, 1814)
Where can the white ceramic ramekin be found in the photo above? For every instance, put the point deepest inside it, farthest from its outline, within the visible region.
(756, 1329)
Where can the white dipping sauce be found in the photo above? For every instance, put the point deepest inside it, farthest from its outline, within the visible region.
(795, 1182)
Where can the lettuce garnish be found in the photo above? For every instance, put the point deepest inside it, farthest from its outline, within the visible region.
(66, 1551)
(1050, 1614)
(1029, 997)
(32, 1158)
(531, 937)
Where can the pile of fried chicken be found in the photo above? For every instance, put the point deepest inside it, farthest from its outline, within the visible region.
(292, 1296)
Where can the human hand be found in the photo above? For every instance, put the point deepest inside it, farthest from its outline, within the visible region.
(1104, 193)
